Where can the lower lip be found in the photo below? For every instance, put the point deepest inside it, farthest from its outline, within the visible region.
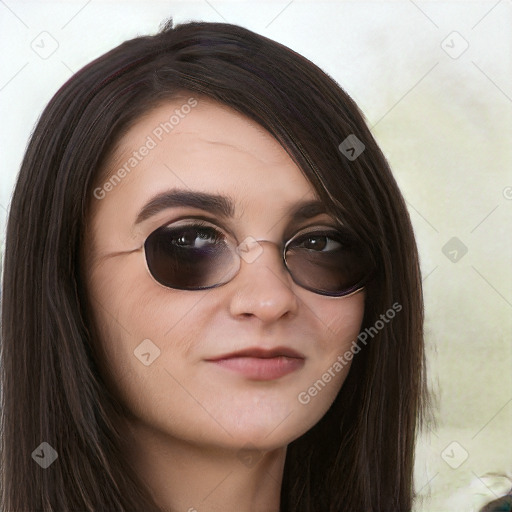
(257, 368)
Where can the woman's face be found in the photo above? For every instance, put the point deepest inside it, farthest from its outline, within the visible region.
(158, 343)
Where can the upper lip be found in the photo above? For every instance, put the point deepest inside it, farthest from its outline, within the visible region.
(260, 352)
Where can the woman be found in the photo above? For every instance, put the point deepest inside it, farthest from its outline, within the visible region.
(212, 297)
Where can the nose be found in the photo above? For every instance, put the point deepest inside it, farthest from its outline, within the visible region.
(263, 287)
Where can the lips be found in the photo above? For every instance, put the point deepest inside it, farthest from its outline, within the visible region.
(261, 353)
(260, 364)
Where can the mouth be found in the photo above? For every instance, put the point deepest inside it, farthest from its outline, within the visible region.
(260, 364)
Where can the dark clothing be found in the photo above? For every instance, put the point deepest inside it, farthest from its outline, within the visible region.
(500, 505)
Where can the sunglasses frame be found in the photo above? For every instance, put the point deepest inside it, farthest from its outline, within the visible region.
(235, 250)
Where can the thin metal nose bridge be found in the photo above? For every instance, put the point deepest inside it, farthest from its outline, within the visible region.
(250, 249)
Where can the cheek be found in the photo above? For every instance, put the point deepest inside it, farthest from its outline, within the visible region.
(339, 322)
(134, 318)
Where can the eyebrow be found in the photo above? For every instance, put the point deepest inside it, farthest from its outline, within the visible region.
(222, 206)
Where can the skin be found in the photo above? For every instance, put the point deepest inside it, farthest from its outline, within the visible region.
(203, 437)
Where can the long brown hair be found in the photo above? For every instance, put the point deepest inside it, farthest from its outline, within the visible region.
(359, 456)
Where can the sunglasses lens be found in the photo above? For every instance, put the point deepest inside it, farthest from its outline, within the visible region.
(189, 257)
(194, 257)
(329, 263)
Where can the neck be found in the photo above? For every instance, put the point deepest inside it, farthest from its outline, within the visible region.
(185, 477)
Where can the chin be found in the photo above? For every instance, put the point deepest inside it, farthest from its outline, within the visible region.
(265, 434)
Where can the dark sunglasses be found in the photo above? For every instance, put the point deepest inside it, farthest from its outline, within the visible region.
(198, 256)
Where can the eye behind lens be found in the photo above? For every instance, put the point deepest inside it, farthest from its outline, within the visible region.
(187, 257)
(338, 271)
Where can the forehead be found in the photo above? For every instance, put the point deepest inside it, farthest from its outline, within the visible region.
(206, 148)
(191, 124)
(196, 142)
